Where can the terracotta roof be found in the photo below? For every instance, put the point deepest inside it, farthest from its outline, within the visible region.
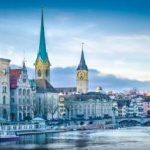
(14, 76)
(43, 86)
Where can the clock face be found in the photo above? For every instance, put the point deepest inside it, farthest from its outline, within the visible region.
(81, 75)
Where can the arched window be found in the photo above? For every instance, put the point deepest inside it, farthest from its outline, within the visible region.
(20, 91)
(24, 92)
(4, 100)
(4, 114)
(28, 92)
(39, 73)
(47, 73)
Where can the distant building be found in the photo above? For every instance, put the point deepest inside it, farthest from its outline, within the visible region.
(147, 105)
(88, 106)
(21, 96)
(4, 89)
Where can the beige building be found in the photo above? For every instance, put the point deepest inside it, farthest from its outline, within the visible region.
(4, 89)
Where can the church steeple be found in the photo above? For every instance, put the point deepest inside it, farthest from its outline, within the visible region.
(42, 64)
(42, 54)
(82, 65)
(82, 75)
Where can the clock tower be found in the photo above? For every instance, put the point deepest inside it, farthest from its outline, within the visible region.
(82, 75)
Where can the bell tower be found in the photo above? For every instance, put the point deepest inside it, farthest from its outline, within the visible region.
(42, 63)
(82, 75)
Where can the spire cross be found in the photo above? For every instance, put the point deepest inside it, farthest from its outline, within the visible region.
(82, 45)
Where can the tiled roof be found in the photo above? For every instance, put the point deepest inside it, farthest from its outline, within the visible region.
(14, 76)
(43, 86)
(66, 89)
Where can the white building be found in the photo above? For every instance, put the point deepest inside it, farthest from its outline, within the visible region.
(46, 96)
(88, 106)
(4, 89)
(21, 96)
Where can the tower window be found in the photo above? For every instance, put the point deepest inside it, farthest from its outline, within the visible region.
(39, 73)
(47, 73)
(4, 100)
(4, 89)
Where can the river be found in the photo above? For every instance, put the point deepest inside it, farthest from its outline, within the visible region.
(137, 138)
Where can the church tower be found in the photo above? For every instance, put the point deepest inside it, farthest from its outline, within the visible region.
(82, 75)
(42, 63)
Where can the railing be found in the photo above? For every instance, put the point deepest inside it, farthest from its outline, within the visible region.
(20, 127)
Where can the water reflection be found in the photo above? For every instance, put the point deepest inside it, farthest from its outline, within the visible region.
(121, 139)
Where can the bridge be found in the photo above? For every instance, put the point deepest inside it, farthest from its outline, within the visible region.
(133, 121)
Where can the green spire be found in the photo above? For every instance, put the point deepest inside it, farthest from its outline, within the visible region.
(42, 54)
(82, 65)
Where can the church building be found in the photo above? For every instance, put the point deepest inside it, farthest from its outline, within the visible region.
(46, 95)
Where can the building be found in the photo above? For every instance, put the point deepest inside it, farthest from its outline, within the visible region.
(46, 95)
(4, 89)
(146, 105)
(82, 75)
(88, 106)
(21, 95)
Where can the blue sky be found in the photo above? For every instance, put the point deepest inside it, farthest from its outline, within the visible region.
(116, 34)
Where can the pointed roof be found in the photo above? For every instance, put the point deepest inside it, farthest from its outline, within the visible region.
(42, 54)
(82, 65)
(24, 68)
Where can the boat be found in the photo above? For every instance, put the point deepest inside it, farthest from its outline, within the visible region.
(8, 136)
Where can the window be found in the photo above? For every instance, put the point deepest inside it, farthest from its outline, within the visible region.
(20, 91)
(24, 80)
(20, 101)
(4, 100)
(4, 114)
(12, 100)
(28, 92)
(28, 101)
(4, 89)
(39, 73)
(24, 92)
(47, 73)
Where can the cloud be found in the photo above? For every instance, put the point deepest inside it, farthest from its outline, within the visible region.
(66, 77)
(122, 53)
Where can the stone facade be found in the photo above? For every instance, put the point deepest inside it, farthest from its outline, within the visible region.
(4, 89)
(88, 106)
(21, 95)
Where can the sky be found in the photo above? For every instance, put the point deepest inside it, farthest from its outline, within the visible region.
(116, 34)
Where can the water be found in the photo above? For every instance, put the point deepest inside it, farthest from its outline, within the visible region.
(121, 139)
